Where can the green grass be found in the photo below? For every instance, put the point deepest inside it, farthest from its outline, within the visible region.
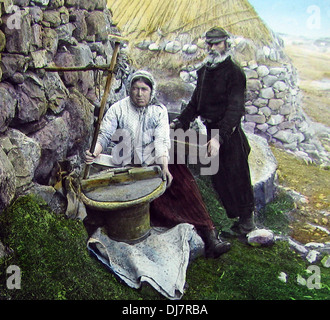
(52, 255)
(55, 264)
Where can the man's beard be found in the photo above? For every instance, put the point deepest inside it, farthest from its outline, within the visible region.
(214, 57)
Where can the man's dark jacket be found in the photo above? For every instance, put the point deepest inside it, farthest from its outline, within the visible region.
(219, 98)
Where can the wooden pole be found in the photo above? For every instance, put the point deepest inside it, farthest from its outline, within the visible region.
(69, 69)
(103, 103)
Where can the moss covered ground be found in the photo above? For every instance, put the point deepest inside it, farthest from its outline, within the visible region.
(55, 264)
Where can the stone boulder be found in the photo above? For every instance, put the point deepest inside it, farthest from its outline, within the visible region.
(66, 59)
(97, 25)
(24, 155)
(32, 101)
(7, 180)
(8, 104)
(263, 167)
(52, 150)
(80, 122)
(260, 237)
(18, 37)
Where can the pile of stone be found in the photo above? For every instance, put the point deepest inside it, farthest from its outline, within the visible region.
(273, 109)
(46, 117)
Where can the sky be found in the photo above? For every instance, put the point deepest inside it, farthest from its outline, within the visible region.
(310, 18)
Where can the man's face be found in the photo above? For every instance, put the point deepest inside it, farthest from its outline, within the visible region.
(140, 94)
(216, 48)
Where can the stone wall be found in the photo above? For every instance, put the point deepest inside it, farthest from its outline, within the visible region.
(273, 100)
(47, 117)
(273, 109)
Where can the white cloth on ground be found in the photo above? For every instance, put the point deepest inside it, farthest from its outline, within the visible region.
(160, 260)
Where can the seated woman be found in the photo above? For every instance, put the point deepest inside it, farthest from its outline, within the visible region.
(145, 121)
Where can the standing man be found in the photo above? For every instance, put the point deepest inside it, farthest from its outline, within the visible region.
(219, 99)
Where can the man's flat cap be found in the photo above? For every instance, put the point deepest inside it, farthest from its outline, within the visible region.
(216, 35)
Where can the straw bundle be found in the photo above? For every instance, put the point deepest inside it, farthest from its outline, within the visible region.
(156, 19)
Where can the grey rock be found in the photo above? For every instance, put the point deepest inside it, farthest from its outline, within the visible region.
(18, 40)
(39, 59)
(277, 70)
(260, 102)
(285, 136)
(266, 111)
(272, 130)
(50, 40)
(280, 86)
(263, 167)
(253, 64)
(312, 256)
(262, 71)
(32, 103)
(286, 109)
(251, 109)
(78, 18)
(173, 47)
(275, 119)
(52, 149)
(42, 2)
(269, 80)
(275, 104)
(55, 92)
(253, 85)
(97, 25)
(54, 4)
(267, 93)
(53, 17)
(257, 118)
(66, 59)
(154, 47)
(260, 237)
(36, 42)
(36, 14)
(65, 33)
(297, 246)
(25, 156)
(8, 103)
(263, 127)
(7, 180)
(250, 74)
(248, 127)
(326, 261)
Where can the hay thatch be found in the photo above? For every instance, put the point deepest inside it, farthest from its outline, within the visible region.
(158, 19)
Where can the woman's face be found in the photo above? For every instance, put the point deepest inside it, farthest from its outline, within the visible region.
(140, 94)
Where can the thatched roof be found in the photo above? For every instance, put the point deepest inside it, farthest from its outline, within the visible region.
(153, 19)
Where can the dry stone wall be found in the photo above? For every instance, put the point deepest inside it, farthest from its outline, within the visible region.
(273, 109)
(273, 100)
(47, 117)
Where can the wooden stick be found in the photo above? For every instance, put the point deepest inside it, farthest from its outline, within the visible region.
(103, 103)
(85, 68)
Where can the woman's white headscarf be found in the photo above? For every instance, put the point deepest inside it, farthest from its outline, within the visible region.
(147, 75)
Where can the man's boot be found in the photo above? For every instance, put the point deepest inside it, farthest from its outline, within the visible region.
(214, 246)
(244, 225)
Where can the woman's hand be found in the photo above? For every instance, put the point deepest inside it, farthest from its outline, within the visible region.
(168, 177)
(166, 174)
(89, 157)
